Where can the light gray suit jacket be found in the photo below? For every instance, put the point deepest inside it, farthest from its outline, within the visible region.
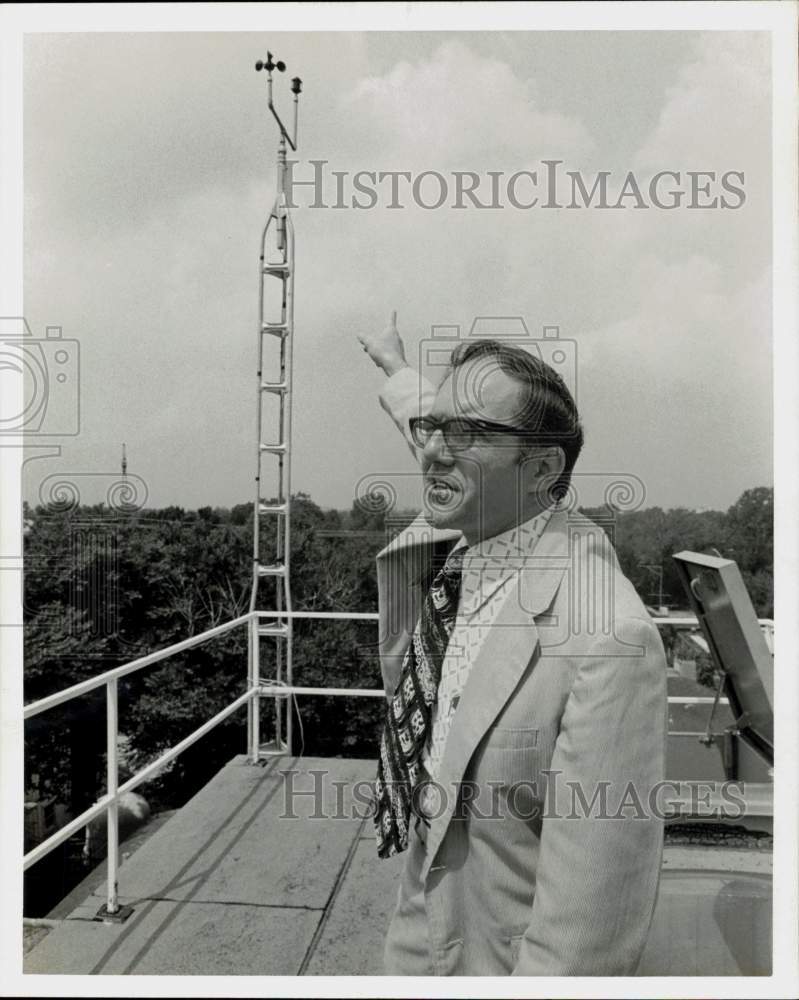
(531, 877)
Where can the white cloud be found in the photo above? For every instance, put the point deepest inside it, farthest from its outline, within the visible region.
(717, 114)
(680, 392)
(457, 107)
(147, 251)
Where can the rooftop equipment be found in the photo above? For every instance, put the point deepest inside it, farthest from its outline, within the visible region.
(271, 581)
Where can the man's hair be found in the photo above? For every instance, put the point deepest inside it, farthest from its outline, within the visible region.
(548, 415)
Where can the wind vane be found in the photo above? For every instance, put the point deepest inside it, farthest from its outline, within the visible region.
(296, 87)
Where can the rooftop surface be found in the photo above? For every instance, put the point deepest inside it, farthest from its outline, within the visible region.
(232, 885)
(253, 877)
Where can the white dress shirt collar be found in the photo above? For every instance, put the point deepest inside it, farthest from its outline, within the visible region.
(488, 564)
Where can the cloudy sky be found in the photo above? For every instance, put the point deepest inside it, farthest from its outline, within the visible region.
(149, 171)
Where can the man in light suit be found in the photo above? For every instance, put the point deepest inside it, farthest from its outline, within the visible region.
(532, 844)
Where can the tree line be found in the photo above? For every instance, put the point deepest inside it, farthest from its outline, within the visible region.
(104, 586)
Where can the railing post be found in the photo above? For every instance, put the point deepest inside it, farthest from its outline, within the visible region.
(255, 680)
(112, 721)
(249, 687)
(289, 699)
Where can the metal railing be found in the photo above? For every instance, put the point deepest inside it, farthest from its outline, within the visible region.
(109, 803)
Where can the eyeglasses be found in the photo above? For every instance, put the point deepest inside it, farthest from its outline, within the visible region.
(460, 433)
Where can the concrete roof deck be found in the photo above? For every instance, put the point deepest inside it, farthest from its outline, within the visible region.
(272, 870)
(246, 879)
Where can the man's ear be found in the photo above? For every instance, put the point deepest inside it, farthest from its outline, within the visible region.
(549, 461)
(542, 466)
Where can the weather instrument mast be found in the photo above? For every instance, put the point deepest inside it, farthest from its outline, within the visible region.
(271, 588)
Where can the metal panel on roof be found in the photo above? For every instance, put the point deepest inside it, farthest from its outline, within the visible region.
(722, 605)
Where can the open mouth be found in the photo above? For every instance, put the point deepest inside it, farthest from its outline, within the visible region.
(441, 494)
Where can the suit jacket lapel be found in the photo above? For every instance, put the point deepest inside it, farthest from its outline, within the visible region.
(502, 660)
(403, 574)
(418, 533)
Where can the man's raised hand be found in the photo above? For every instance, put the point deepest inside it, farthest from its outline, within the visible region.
(386, 348)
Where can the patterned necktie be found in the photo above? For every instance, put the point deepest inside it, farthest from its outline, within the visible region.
(408, 720)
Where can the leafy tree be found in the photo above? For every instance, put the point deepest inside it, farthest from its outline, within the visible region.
(241, 514)
(749, 540)
(104, 587)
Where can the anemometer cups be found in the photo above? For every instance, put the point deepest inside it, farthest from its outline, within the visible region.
(280, 66)
(269, 65)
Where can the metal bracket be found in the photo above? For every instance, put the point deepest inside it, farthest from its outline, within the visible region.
(743, 722)
(119, 916)
(709, 739)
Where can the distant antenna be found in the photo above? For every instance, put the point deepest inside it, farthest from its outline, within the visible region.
(124, 462)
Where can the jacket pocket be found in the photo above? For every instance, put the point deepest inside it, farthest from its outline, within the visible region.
(504, 738)
(510, 755)
(507, 767)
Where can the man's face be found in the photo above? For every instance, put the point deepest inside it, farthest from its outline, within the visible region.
(479, 490)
